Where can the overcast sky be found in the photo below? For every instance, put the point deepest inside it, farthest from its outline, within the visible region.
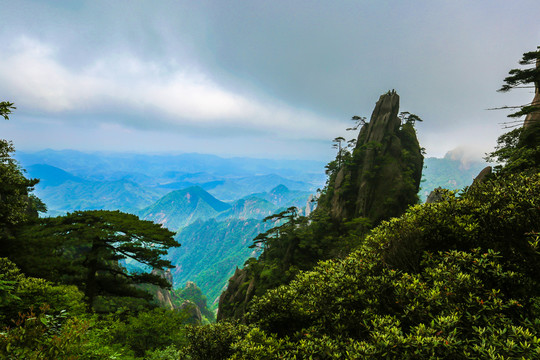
(256, 78)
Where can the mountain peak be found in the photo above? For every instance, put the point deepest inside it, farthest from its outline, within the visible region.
(182, 207)
(280, 189)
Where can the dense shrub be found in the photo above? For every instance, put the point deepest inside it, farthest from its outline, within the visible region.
(149, 330)
(21, 293)
(457, 279)
(212, 342)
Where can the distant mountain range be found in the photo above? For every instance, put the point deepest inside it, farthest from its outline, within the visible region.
(448, 173)
(215, 204)
(72, 180)
(164, 168)
(63, 192)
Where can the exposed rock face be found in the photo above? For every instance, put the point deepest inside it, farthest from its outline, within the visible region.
(534, 117)
(163, 296)
(435, 195)
(193, 311)
(379, 180)
(236, 293)
(482, 175)
(383, 176)
(310, 205)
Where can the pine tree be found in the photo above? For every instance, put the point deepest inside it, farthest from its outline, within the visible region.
(87, 248)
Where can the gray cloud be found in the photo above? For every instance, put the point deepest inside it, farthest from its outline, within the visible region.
(278, 70)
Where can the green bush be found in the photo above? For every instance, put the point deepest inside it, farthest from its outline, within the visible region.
(43, 336)
(21, 293)
(149, 330)
(457, 279)
(212, 342)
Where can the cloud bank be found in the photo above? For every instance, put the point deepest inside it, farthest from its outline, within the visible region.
(142, 94)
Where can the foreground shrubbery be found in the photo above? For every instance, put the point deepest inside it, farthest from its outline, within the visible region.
(457, 279)
(41, 320)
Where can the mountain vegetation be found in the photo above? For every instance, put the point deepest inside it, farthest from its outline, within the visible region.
(384, 167)
(371, 273)
(449, 173)
(211, 251)
(452, 279)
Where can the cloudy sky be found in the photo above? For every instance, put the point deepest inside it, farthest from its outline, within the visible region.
(256, 78)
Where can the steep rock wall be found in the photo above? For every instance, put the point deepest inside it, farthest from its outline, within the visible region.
(382, 177)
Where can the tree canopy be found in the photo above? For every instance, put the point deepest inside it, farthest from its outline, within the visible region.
(91, 245)
(528, 77)
(18, 204)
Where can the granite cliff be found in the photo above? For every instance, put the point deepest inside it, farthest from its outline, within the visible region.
(381, 177)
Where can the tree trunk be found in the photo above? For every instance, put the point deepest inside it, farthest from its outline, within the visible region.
(90, 290)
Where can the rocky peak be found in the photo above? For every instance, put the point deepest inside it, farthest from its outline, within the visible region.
(382, 176)
(384, 119)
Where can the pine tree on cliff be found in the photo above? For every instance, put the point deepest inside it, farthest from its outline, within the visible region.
(84, 248)
(519, 149)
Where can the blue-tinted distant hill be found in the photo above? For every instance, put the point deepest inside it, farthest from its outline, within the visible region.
(51, 175)
(282, 196)
(238, 188)
(250, 207)
(64, 192)
(115, 166)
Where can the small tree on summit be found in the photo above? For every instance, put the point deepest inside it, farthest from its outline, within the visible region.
(337, 145)
(408, 118)
(519, 149)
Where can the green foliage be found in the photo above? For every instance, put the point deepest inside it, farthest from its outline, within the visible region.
(191, 292)
(43, 336)
(87, 245)
(5, 109)
(377, 180)
(520, 78)
(210, 252)
(14, 186)
(21, 293)
(169, 353)
(149, 331)
(14, 193)
(212, 342)
(518, 150)
(457, 279)
(498, 214)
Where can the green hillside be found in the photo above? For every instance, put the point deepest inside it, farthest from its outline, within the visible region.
(448, 173)
(182, 207)
(210, 252)
(250, 207)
